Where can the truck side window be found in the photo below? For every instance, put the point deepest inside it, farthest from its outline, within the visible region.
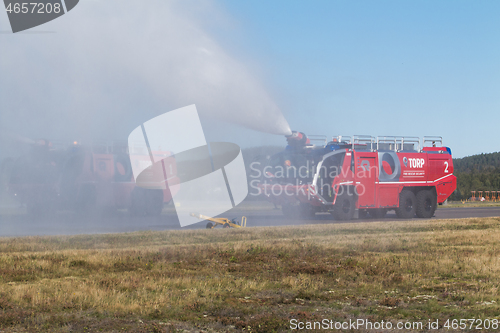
(331, 168)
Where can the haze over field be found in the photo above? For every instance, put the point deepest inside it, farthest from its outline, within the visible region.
(110, 66)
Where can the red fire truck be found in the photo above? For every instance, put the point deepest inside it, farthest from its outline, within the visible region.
(85, 178)
(360, 175)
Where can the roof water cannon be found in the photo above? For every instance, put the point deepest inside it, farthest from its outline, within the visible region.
(297, 139)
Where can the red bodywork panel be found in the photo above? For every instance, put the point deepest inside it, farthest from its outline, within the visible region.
(114, 181)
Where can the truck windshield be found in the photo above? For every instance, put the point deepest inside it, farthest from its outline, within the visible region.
(329, 168)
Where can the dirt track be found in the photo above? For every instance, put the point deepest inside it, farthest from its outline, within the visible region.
(18, 223)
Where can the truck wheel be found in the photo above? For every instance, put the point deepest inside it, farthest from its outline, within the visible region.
(289, 211)
(306, 211)
(378, 213)
(407, 205)
(154, 202)
(426, 204)
(42, 203)
(138, 202)
(34, 208)
(344, 207)
(86, 202)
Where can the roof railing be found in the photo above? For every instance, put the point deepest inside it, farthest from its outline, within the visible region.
(388, 142)
(398, 143)
(410, 141)
(109, 147)
(342, 138)
(432, 140)
(97, 147)
(367, 140)
(318, 138)
(393, 143)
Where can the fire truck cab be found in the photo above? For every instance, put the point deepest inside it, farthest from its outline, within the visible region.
(364, 175)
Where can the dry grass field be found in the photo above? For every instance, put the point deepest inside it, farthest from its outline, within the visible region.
(253, 279)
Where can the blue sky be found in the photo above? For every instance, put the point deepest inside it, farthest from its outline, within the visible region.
(379, 67)
(410, 68)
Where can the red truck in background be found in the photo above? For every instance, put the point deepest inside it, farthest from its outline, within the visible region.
(360, 175)
(87, 178)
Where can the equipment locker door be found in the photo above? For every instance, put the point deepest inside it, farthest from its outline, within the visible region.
(439, 168)
(366, 174)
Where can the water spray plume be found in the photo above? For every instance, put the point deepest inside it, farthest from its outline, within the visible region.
(267, 120)
(162, 59)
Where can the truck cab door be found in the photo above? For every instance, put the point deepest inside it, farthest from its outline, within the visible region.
(440, 168)
(365, 176)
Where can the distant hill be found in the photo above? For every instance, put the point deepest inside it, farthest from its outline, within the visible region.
(476, 173)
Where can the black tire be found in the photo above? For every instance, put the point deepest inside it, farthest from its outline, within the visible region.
(42, 202)
(138, 202)
(146, 202)
(426, 204)
(289, 211)
(407, 205)
(226, 225)
(108, 211)
(306, 211)
(87, 200)
(154, 202)
(378, 213)
(39, 208)
(344, 207)
(210, 225)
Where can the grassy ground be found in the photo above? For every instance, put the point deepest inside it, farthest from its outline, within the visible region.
(252, 280)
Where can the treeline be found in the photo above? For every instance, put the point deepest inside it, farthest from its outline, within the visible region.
(476, 173)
